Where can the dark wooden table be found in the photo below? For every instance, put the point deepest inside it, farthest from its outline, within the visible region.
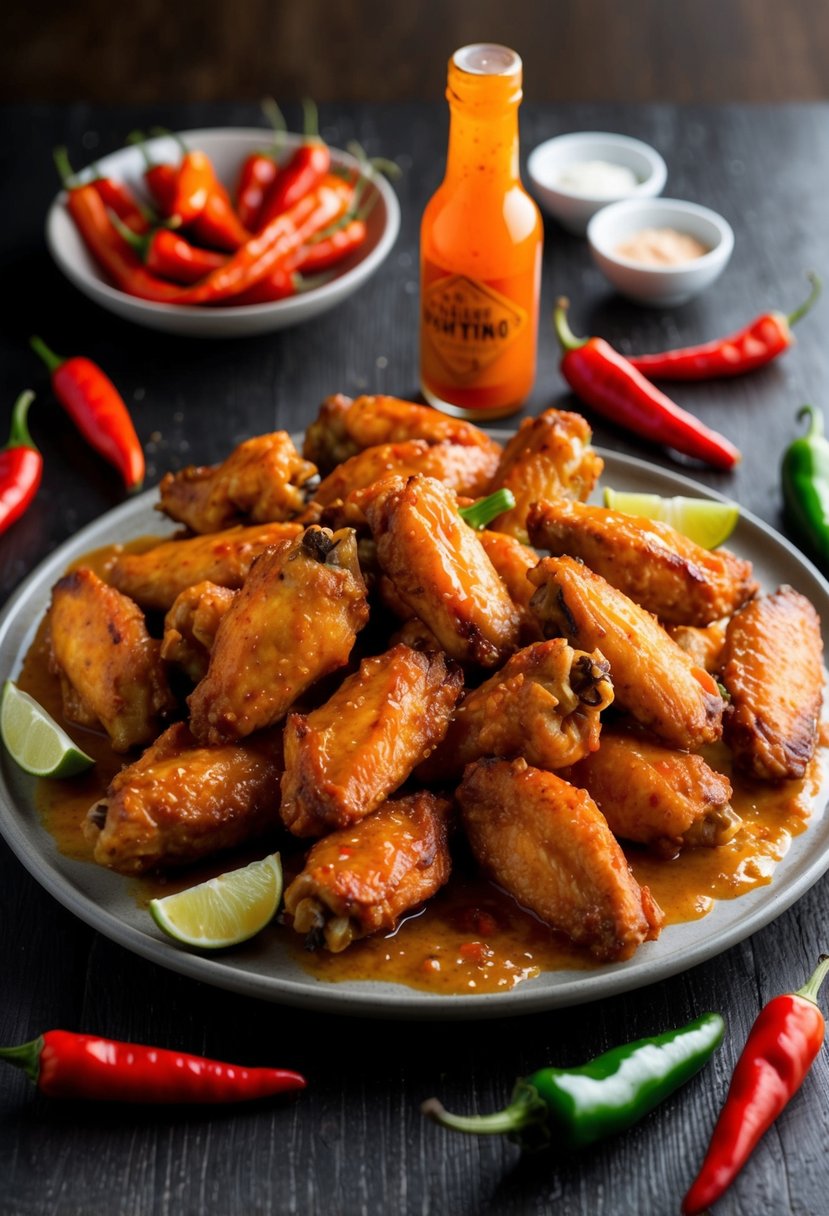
(355, 1142)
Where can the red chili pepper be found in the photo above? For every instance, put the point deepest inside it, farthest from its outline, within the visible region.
(170, 256)
(201, 202)
(114, 195)
(305, 170)
(605, 380)
(259, 171)
(754, 346)
(280, 284)
(160, 177)
(67, 1065)
(97, 409)
(21, 466)
(194, 181)
(322, 254)
(781, 1047)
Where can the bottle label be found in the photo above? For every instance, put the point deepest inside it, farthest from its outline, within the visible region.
(469, 324)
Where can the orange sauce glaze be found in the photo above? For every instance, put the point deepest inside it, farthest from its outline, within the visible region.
(471, 937)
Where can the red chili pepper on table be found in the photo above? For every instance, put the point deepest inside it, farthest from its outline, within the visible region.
(171, 256)
(607, 382)
(21, 466)
(303, 172)
(259, 171)
(754, 346)
(97, 409)
(67, 1065)
(781, 1047)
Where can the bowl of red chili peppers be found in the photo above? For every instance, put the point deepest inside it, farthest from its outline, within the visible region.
(214, 233)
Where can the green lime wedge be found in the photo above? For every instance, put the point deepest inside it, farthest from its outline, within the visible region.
(223, 911)
(702, 520)
(34, 740)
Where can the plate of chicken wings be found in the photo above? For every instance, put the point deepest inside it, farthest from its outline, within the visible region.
(317, 648)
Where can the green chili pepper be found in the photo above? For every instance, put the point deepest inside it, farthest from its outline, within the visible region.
(805, 478)
(572, 1107)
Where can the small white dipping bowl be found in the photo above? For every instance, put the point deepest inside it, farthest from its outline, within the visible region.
(659, 286)
(227, 148)
(573, 209)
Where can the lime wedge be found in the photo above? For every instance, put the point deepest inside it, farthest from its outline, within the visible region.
(34, 740)
(223, 911)
(702, 520)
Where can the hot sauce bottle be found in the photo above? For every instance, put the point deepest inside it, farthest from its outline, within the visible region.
(480, 249)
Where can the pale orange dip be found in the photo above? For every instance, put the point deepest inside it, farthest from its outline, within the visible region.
(661, 247)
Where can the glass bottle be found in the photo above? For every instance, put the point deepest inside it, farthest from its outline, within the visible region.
(480, 249)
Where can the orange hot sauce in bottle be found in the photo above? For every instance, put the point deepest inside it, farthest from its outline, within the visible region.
(480, 249)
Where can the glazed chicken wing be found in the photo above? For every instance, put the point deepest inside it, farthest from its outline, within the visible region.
(773, 670)
(656, 796)
(439, 568)
(652, 677)
(154, 579)
(345, 758)
(658, 567)
(294, 621)
(345, 427)
(262, 481)
(548, 845)
(513, 561)
(704, 645)
(466, 470)
(190, 627)
(181, 803)
(363, 878)
(544, 705)
(548, 457)
(109, 667)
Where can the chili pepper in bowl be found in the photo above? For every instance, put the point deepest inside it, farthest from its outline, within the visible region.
(757, 344)
(21, 465)
(115, 196)
(96, 407)
(782, 1044)
(259, 171)
(303, 172)
(160, 176)
(67, 1065)
(610, 385)
(169, 255)
(573, 1107)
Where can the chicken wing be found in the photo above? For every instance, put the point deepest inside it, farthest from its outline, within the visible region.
(262, 481)
(704, 645)
(548, 457)
(190, 627)
(345, 758)
(651, 562)
(154, 578)
(109, 667)
(362, 879)
(773, 670)
(181, 803)
(548, 845)
(543, 705)
(652, 677)
(294, 621)
(440, 569)
(466, 470)
(513, 561)
(656, 796)
(345, 427)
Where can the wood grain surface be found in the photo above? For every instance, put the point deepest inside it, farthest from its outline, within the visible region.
(355, 1143)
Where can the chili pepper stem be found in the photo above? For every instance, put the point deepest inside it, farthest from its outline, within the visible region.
(25, 1056)
(52, 361)
(19, 436)
(65, 171)
(310, 119)
(526, 1109)
(140, 242)
(807, 304)
(815, 417)
(811, 988)
(277, 120)
(564, 333)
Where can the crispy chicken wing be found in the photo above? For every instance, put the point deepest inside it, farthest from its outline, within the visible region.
(180, 803)
(543, 705)
(440, 569)
(345, 427)
(363, 878)
(109, 667)
(548, 845)
(652, 677)
(262, 481)
(651, 562)
(154, 579)
(294, 621)
(466, 470)
(345, 758)
(656, 796)
(513, 561)
(773, 670)
(190, 627)
(548, 457)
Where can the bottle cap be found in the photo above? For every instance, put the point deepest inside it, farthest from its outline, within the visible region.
(488, 59)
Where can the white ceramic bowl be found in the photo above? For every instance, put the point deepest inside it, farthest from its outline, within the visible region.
(227, 149)
(659, 286)
(574, 209)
